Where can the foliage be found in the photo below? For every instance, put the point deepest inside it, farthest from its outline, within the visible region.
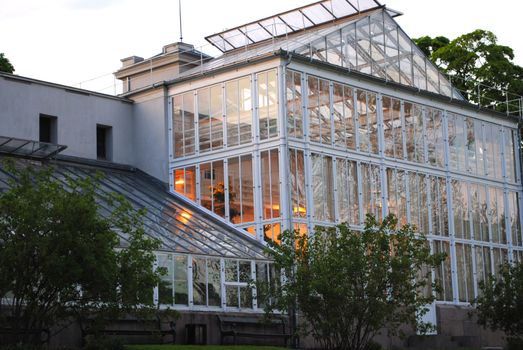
(60, 259)
(500, 304)
(349, 285)
(5, 65)
(474, 58)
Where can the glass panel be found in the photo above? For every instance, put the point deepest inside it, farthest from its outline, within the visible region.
(231, 295)
(367, 122)
(443, 272)
(397, 202)
(457, 135)
(434, 130)
(335, 49)
(183, 125)
(438, 192)
(199, 277)
(471, 146)
(323, 189)
(414, 132)
(212, 188)
(180, 281)
(497, 215)
(493, 150)
(515, 225)
(216, 117)
(325, 114)
(510, 155)
(392, 127)
(419, 203)
(483, 264)
(268, 104)
(232, 112)
(371, 190)
(465, 273)
(294, 105)
(270, 184)
(478, 199)
(460, 208)
(166, 288)
(313, 108)
(347, 189)
(204, 122)
(213, 282)
(297, 182)
(177, 123)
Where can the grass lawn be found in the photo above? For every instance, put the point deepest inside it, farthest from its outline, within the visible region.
(201, 347)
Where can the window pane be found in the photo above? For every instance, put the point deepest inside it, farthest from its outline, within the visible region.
(438, 192)
(199, 281)
(180, 281)
(214, 284)
(419, 203)
(245, 105)
(268, 104)
(166, 290)
(460, 208)
(313, 108)
(270, 184)
(325, 114)
(216, 117)
(434, 130)
(204, 122)
(232, 113)
(347, 189)
(392, 128)
(443, 272)
(371, 190)
(297, 183)
(294, 104)
(247, 187)
(414, 132)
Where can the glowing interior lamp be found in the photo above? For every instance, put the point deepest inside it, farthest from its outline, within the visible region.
(179, 182)
(186, 215)
(276, 207)
(300, 210)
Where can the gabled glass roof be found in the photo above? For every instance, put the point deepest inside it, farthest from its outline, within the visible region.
(289, 22)
(28, 148)
(181, 226)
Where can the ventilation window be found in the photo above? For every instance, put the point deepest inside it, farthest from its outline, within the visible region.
(104, 142)
(48, 129)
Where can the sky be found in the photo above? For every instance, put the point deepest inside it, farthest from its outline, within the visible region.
(80, 42)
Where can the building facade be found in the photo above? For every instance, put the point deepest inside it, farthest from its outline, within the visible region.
(312, 117)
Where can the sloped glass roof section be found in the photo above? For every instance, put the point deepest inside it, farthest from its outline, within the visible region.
(28, 148)
(181, 226)
(289, 22)
(377, 46)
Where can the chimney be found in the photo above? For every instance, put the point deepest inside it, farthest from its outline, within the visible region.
(126, 62)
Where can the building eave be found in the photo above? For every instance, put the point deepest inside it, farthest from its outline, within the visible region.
(26, 80)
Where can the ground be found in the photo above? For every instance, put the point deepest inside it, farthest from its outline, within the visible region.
(197, 347)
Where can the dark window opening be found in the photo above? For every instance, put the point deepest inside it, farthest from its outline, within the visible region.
(48, 129)
(104, 142)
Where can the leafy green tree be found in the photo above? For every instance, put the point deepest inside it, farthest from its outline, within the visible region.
(5, 65)
(60, 259)
(474, 58)
(500, 304)
(349, 285)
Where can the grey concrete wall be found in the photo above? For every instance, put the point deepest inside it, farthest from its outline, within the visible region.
(150, 133)
(23, 100)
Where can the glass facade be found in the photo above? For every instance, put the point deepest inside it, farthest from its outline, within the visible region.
(348, 151)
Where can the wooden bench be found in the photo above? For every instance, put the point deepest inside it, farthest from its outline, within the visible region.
(138, 328)
(252, 327)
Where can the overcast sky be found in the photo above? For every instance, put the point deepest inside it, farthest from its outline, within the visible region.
(73, 41)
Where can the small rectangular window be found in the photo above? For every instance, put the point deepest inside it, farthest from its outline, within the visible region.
(48, 129)
(104, 146)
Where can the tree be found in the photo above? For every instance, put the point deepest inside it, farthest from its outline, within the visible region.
(349, 285)
(59, 258)
(5, 65)
(500, 304)
(474, 58)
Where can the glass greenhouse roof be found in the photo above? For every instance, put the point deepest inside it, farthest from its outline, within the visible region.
(181, 226)
(28, 148)
(289, 22)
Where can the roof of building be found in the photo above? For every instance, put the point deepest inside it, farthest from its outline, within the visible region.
(180, 225)
(289, 22)
(66, 88)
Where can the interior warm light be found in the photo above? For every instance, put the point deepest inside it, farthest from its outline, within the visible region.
(300, 210)
(276, 207)
(179, 182)
(186, 215)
